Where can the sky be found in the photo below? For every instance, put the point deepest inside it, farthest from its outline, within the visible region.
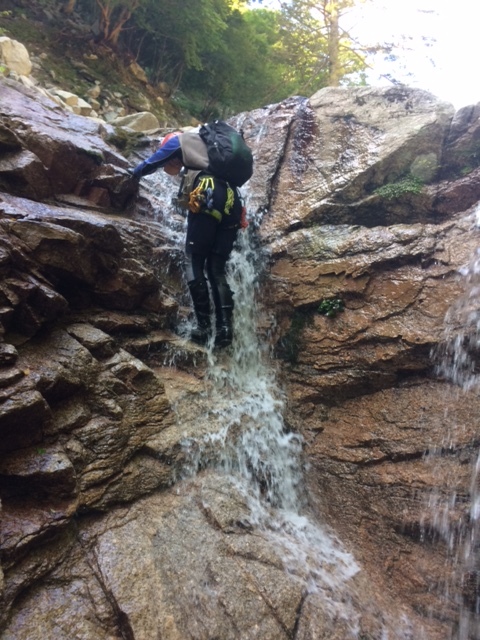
(447, 68)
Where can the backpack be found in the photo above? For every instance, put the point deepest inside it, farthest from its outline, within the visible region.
(219, 148)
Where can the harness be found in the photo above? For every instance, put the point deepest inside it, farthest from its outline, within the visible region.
(201, 199)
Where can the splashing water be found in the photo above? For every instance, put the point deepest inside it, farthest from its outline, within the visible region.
(458, 361)
(247, 440)
(254, 449)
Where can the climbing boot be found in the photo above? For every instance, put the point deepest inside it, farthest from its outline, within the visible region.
(224, 333)
(201, 305)
(223, 299)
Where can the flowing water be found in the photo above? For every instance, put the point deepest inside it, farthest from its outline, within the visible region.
(454, 516)
(253, 447)
(247, 440)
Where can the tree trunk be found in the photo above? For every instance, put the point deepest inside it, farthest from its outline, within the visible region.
(112, 21)
(116, 30)
(334, 71)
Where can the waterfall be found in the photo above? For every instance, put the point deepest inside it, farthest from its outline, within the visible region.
(451, 519)
(250, 445)
(239, 433)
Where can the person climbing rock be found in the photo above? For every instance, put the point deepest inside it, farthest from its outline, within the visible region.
(215, 214)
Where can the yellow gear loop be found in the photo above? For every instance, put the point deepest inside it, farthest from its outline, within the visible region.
(230, 200)
(201, 199)
(207, 183)
(198, 197)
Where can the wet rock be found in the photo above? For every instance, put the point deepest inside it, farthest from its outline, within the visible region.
(22, 418)
(93, 437)
(344, 145)
(100, 344)
(23, 174)
(10, 376)
(67, 415)
(462, 143)
(8, 354)
(8, 139)
(58, 364)
(37, 472)
(68, 146)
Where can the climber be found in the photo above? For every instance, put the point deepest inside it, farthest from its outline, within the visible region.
(214, 218)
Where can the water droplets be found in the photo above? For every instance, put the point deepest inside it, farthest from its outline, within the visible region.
(458, 360)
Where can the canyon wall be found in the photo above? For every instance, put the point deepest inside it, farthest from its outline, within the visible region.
(362, 203)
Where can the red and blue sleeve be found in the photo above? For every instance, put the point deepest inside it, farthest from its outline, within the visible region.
(167, 152)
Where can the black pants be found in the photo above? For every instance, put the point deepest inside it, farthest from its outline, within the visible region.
(209, 244)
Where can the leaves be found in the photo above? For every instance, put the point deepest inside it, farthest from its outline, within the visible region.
(222, 56)
(330, 307)
(320, 51)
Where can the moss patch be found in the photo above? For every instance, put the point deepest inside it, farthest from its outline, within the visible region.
(393, 190)
(330, 307)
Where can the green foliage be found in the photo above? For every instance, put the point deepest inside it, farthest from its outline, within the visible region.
(4, 14)
(231, 81)
(409, 184)
(330, 307)
(217, 56)
(168, 43)
(316, 50)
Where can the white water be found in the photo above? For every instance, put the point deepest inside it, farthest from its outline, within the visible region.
(255, 450)
(457, 361)
(249, 443)
(263, 460)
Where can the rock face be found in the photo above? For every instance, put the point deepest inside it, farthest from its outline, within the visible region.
(119, 519)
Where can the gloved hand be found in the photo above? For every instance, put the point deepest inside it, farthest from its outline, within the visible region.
(131, 172)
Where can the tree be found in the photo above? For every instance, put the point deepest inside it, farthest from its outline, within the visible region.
(315, 42)
(167, 44)
(114, 14)
(243, 72)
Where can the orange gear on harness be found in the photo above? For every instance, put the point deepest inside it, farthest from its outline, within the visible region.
(201, 199)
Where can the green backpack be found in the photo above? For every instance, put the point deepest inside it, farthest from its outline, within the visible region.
(220, 149)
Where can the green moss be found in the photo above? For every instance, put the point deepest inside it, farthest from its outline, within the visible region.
(25, 31)
(290, 346)
(4, 14)
(467, 159)
(330, 307)
(409, 184)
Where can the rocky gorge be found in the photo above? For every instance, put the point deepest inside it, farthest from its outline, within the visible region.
(294, 487)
